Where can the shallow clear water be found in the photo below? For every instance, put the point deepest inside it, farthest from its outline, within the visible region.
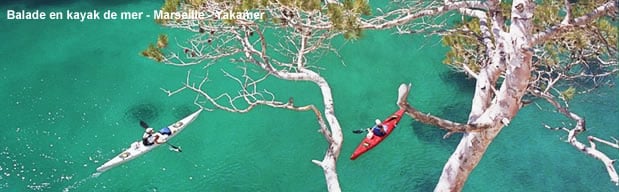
(72, 94)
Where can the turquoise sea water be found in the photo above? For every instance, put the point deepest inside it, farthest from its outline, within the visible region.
(72, 94)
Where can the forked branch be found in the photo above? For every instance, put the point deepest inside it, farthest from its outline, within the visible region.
(580, 127)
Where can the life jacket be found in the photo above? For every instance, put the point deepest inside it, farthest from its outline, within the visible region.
(146, 141)
(379, 130)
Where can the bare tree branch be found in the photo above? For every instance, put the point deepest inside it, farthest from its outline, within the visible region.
(613, 145)
(579, 128)
(403, 16)
(568, 13)
(450, 126)
(299, 37)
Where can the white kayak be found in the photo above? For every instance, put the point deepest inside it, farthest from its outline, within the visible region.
(138, 148)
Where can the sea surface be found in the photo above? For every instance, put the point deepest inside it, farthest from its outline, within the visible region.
(72, 94)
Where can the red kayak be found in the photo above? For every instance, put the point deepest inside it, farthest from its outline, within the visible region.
(369, 143)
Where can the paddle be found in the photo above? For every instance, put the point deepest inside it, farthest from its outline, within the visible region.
(145, 126)
(174, 148)
(359, 131)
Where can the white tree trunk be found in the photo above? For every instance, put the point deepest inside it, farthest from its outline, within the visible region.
(334, 135)
(335, 138)
(512, 54)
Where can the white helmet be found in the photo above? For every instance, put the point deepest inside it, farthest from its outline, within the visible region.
(149, 130)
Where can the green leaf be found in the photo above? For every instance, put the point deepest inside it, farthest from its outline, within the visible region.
(162, 41)
(170, 5)
(363, 7)
(336, 14)
(153, 52)
(568, 94)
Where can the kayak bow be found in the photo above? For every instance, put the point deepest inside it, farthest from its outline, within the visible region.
(138, 148)
(368, 143)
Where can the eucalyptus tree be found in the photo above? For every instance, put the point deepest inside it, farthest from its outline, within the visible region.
(515, 51)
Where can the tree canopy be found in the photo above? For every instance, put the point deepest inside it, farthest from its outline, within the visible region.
(544, 50)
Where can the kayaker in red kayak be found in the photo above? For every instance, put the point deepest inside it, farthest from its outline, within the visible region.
(379, 130)
(382, 130)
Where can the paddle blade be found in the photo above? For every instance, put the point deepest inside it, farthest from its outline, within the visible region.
(357, 131)
(143, 124)
(175, 148)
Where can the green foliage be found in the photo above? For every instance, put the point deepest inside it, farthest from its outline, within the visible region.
(336, 14)
(243, 5)
(580, 8)
(353, 34)
(467, 49)
(153, 52)
(362, 7)
(287, 2)
(609, 30)
(506, 9)
(171, 6)
(345, 17)
(465, 45)
(311, 5)
(568, 94)
(357, 6)
(162, 41)
(194, 3)
(573, 45)
(546, 13)
(249, 4)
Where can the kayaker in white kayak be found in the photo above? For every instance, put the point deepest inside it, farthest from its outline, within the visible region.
(150, 137)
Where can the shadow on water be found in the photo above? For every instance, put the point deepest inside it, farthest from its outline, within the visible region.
(418, 182)
(146, 111)
(459, 80)
(433, 135)
(183, 110)
(427, 183)
(39, 3)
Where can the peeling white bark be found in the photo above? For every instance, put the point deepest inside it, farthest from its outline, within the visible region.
(509, 57)
(335, 136)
